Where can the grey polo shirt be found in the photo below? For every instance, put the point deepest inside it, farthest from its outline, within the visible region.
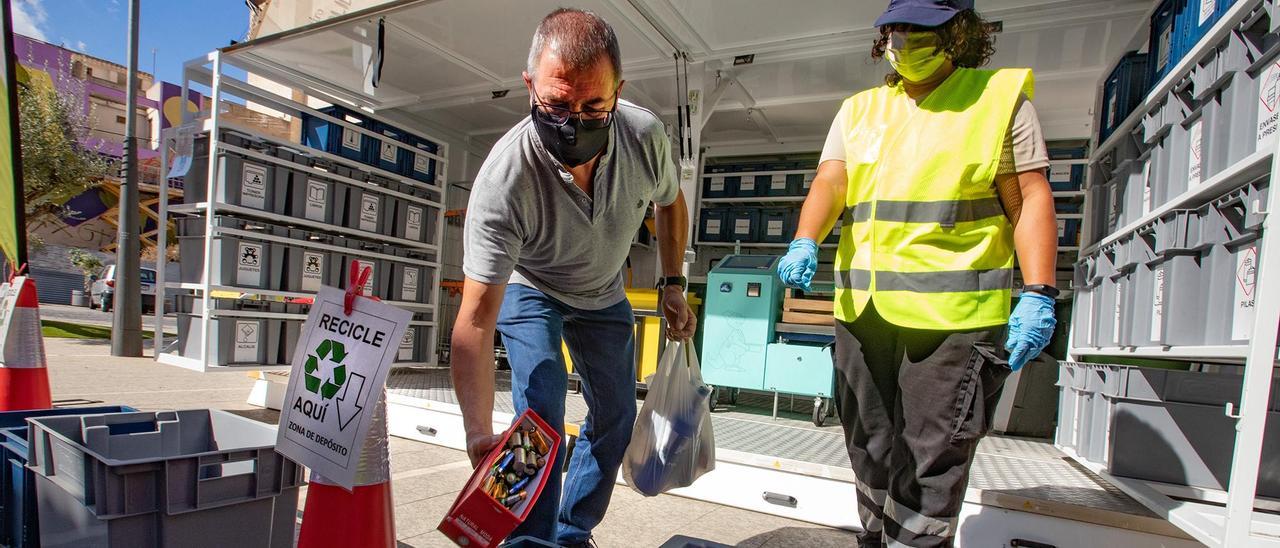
(528, 224)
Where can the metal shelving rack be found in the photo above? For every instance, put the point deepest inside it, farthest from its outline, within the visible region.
(210, 71)
(1236, 524)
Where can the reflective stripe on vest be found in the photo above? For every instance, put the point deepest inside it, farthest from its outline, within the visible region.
(925, 235)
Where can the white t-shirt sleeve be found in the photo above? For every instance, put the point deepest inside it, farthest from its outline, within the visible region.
(834, 148)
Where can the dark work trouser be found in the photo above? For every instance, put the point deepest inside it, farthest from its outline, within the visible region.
(914, 404)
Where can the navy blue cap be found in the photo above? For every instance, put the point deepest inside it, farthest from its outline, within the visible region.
(925, 13)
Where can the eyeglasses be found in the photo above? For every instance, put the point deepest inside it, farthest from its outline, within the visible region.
(589, 118)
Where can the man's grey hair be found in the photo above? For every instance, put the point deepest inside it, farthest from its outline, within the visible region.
(579, 38)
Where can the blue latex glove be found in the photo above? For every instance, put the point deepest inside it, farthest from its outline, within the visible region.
(1030, 328)
(797, 267)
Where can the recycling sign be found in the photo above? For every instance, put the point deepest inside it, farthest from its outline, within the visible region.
(339, 369)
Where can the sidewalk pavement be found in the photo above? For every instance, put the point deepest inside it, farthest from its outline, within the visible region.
(425, 478)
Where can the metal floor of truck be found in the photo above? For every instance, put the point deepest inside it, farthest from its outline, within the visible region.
(1018, 474)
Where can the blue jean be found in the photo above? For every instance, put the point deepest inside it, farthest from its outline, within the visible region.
(602, 345)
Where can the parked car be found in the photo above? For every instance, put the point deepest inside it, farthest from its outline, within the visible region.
(102, 293)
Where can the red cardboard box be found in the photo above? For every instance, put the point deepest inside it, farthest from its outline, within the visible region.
(477, 519)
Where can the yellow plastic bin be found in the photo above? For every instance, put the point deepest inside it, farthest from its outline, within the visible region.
(649, 336)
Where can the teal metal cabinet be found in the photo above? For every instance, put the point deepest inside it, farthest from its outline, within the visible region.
(743, 298)
(799, 369)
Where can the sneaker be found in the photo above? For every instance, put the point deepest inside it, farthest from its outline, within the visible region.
(589, 543)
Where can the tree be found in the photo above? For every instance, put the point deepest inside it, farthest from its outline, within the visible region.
(56, 165)
(88, 263)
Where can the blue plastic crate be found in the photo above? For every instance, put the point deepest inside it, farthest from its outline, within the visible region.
(1163, 40)
(744, 225)
(1066, 178)
(777, 226)
(420, 166)
(1068, 153)
(1068, 232)
(19, 522)
(322, 134)
(388, 155)
(752, 186)
(713, 225)
(719, 185)
(1067, 207)
(1192, 20)
(1125, 88)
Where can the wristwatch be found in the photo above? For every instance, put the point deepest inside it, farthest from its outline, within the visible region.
(1046, 290)
(681, 281)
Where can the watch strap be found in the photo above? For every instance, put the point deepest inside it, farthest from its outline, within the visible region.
(1046, 290)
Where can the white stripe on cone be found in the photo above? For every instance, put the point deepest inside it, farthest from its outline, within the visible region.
(23, 343)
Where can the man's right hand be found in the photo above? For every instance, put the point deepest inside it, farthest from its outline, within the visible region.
(797, 267)
(479, 445)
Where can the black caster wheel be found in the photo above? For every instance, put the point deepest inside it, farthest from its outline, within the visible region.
(821, 409)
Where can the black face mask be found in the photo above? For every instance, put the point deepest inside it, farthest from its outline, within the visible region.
(571, 144)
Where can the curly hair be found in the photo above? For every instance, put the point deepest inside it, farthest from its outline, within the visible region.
(967, 39)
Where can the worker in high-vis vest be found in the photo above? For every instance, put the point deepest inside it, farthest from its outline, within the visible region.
(938, 179)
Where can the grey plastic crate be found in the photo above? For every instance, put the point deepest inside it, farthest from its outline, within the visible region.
(1085, 284)
(364, 209)
(1114, 306)
(1232, 272)
(193, 478)
(313, 197)
(410, 282)
(1177, 303)
(1067, 405)
(235, 341)
(1094, 384)
(413, 345)
(415, 221)
(305, 268)
(242, 181)
(242, 262)
(1155, 123)
(1104, 302)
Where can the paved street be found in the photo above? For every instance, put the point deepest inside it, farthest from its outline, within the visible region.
(85, 316)
(425, 478)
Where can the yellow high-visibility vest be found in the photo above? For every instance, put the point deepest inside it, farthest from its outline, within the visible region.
(924, 235)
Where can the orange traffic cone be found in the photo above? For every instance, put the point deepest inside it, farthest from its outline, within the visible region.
(362, 517)
(24, 381)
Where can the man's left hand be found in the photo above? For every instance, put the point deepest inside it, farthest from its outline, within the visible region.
(1030, 328)
(681, 322)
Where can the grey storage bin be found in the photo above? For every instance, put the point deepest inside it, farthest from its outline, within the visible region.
(364, 209)
(1232, 271)
(1093, 384)
(415, 221)
(235, 341)
(1099, 205)
(1170, 426)
(1115, 309)
(242, 181)
(1155, 123)
(1067, 405)
(379, 278)
(1177, 304)
(313, 197)
(1104, 304)
(241, 262)
(305, 267)
(413, 344)
(410, 282)
(1085, 283)
(192, 478)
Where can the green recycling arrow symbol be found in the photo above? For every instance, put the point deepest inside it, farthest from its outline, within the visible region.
(334, 352)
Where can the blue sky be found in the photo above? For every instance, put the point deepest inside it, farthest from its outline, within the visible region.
(177, 30)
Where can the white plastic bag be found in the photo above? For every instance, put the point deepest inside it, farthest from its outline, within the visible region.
(672, 443)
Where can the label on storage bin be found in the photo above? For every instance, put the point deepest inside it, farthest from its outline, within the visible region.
(406, 345)
(1246, 280)
(369, 212)
(1062, 229)
(340, 365)
(741, 226)
(1157, 305)
(1146, 188)
(253, 186)
(774, 227)
(387, 151)
(747, 185)
(1269, 110)
(312, 270)
(1207, 9)
(1194, 137)
(413, 223)
(1059, 173)
(421, 163)
(1164, 47)
(409, 285)
(1112, 111)
(317, 200)
(717, 184)
(1116, 325)
(713, 226)
(778, 183)
(373, 274)
(249, 264)
(248, 333)
(350, 138)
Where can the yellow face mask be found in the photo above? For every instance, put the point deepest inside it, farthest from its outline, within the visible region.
(914, 55)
